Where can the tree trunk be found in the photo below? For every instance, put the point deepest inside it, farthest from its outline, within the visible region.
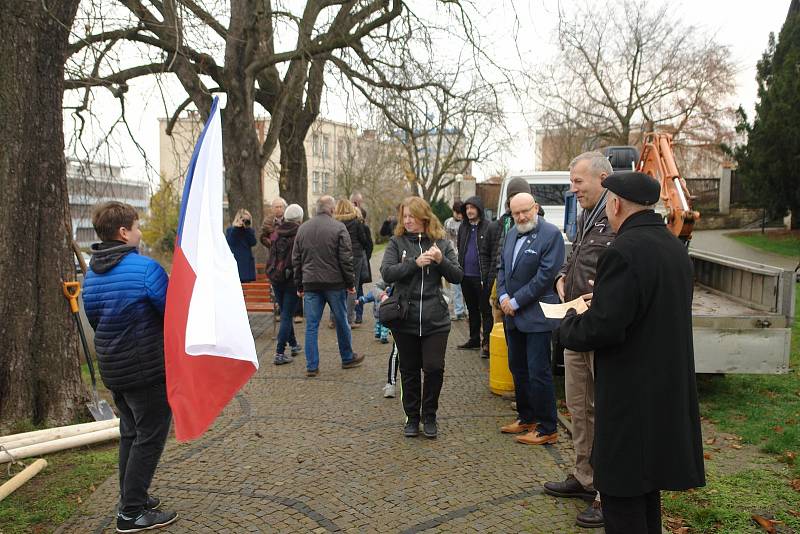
(294, 171)
(40, 377)
(242, 163)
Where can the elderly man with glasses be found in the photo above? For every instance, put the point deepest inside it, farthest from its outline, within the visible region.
(532, 254)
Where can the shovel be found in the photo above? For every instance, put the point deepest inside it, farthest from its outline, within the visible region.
(100, 409)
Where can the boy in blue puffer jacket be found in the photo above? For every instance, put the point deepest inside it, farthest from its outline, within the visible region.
(124, 295)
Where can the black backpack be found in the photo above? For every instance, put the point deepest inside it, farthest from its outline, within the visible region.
(280, 270)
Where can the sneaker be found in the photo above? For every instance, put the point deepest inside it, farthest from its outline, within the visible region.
(389, 391)
(411, 430)
(377, 335)
(430, 429)
(147, 520)
(281, 359)
(311, 373)
(568, 488)
(592, 517)
(297, 349)
(355, 362)
(469, 345)
(384, 340)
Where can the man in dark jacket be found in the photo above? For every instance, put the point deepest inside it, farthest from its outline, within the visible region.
(124, 295)
(471, 241)
(587, 172)
(323, 272)
(647, 420)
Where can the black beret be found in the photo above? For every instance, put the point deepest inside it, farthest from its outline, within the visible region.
(634, 186)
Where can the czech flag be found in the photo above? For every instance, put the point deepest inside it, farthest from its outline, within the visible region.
(208, 346)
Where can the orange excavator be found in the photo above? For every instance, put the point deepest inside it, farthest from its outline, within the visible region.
(658, 160)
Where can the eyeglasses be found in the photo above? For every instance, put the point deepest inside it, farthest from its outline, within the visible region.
(526, 210)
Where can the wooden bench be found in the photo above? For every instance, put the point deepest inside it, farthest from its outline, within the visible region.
(258, 294)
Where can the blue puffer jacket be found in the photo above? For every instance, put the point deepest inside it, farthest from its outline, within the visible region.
(124, 295)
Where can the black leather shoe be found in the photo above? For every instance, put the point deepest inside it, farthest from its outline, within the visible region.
(147, 520)
(569, 488)
(411, 429)
(430, 429)
(469, 345)
(592, 517)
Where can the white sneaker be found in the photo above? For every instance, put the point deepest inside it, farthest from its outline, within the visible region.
(389, 391)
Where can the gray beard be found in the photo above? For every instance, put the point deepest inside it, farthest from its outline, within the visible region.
(528, 226)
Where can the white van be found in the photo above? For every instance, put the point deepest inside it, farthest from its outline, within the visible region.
(549, 188)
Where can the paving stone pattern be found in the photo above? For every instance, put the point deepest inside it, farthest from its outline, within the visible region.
(327, 454)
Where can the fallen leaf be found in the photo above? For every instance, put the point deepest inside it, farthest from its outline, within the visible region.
(777, 429)
(793, 512)
(92, 488)
(795, 483)
(707, 455)
(736, 446)
(681, 530)
(711, 441)
(791, 456)
(766, 524)
(79, 499)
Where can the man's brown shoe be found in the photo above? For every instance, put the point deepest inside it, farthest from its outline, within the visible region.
(311, 373)
(517, 427)
(355, 362)
(534, 438)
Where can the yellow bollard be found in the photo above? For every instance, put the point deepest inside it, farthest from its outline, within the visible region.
(500, 379)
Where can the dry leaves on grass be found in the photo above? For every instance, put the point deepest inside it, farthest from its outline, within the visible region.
(707, 455)
(794, 513)
(767, 525)
(675, 525)
(795, 483)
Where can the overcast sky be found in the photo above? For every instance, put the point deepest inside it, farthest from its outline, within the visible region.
(518, 42)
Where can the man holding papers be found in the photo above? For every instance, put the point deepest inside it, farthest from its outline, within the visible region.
(586, 174)
(647, 434)
(532, 253)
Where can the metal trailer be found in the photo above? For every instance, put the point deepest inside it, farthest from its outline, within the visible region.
(742, 315)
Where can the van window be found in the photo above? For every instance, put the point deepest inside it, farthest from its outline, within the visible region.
(549, 194)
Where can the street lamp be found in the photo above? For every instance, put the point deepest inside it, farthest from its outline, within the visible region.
(459, 178)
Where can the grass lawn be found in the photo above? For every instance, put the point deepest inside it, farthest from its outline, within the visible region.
(785, 243)
(764, 411)
(52, 496)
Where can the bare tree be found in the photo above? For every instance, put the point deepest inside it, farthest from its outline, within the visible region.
(372, 165)
(40, 378)
(631, 67)
(273, 54)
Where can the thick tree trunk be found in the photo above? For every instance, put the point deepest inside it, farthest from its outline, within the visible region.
(242, 163)
(40, 377)
(294, 171)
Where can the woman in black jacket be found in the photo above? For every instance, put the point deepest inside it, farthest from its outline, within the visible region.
(416, 259)
(346, 213)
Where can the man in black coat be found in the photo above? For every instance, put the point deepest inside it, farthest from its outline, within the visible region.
(647, 420)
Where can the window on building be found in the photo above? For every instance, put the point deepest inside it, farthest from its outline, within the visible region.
(315, 146)
(315, 182)
(325, 142)
(325, 181)
(341, 151)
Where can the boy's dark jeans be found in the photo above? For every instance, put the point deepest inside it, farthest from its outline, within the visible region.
(144, 419)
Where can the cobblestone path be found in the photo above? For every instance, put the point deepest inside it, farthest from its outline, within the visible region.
(327, 454)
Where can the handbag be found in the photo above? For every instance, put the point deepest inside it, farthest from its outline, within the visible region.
(393, 310)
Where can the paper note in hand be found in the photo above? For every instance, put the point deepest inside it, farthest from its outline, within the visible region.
(558, 311)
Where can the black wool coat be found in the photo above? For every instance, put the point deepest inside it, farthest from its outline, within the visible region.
(647, 420)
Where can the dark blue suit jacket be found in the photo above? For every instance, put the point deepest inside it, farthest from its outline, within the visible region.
(532, 278)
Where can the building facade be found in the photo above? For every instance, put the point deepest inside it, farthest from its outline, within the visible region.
(89, 184)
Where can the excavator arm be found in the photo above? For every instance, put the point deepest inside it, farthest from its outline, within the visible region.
(658, 161)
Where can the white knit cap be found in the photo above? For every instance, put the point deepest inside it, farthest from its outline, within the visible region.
(293, 213)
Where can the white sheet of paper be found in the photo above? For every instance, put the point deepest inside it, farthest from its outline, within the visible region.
(558, 311)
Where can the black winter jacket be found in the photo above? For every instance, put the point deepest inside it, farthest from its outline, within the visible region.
(421, 286)
(483, 242)
(323, 256)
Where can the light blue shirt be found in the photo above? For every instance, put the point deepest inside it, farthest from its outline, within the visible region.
(521, 239)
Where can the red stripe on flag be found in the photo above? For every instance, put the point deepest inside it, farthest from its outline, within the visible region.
(198, 387)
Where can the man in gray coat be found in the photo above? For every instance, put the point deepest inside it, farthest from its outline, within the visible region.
(323, 271)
